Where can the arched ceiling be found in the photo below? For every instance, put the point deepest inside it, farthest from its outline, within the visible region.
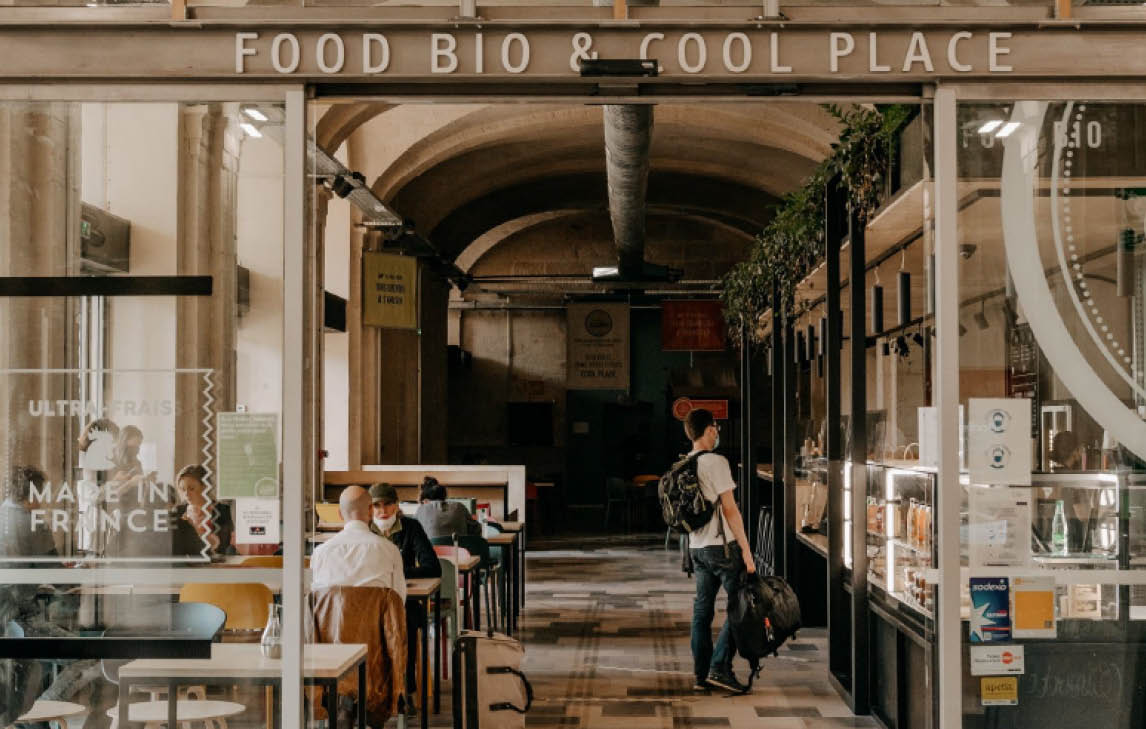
(484, 173)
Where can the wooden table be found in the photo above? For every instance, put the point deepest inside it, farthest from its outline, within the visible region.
(509, 541)
(322, 665)
(421, 590)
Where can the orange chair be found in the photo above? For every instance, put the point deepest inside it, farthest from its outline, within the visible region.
(266, 561)
(247, 604)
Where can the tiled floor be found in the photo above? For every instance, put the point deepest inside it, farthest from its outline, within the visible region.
(606, 635)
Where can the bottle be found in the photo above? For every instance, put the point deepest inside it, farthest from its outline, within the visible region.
(910, 536)
(271, 643)
(1058, 529)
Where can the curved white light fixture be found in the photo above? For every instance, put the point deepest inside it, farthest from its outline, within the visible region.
(1019, 178)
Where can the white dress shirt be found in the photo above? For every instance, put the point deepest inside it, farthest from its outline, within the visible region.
(357, 557)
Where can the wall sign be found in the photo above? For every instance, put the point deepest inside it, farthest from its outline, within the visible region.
(389, 291)
(257, 521)
(999, 440)
(999, 525)
(598, 347)
(692, 326)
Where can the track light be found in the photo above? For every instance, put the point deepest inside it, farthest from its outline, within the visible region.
(903, 289)
(343, 185)
(877, 310)
(981, 316)
(1124, 262)
(917, 338)
(962, 329)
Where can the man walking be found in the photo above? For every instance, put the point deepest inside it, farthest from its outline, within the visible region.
(720, 554)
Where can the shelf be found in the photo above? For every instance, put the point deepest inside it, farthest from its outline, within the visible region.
(1075, 558)
(910, 547)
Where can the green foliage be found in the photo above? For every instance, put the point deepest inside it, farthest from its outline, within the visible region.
(793, 241)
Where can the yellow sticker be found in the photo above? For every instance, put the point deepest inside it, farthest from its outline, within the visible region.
(1000, 690)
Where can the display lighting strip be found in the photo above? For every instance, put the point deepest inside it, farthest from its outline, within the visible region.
(848, 514)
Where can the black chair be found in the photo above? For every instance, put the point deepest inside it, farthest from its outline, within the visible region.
(488, 570)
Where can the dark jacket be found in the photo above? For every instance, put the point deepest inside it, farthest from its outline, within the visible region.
(418, 556)
(186, 541)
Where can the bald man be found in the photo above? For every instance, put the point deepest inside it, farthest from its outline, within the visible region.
(356, 556)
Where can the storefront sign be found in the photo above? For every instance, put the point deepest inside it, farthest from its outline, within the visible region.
(999, 691)
(682, 406)
(389, 291)
(248, 456)
(374, 50)
(997, 660)
(999, 441)
(598, 347)
(692, 326)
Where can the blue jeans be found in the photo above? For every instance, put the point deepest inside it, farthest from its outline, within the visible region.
(713, 569)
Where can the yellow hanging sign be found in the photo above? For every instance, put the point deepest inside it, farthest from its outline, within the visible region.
(389, 291)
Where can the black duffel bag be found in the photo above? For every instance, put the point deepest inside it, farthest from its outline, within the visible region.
(763, 612)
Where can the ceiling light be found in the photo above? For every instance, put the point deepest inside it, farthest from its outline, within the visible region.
(1007, 130)
(255, 114)
(250, 130)
(990, 126)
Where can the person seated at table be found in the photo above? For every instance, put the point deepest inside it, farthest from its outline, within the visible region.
(197, 521)
(356, 556)
(441, 518)
(418, 560)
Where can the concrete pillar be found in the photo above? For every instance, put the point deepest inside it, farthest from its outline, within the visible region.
(39, 226)
(209, 140)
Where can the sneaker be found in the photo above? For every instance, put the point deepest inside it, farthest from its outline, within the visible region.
(701, 686)
(726, 681)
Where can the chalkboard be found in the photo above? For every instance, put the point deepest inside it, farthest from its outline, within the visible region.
(1099, 685)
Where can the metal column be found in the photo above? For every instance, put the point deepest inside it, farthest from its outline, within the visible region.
(949, 683)
(786, 516)
(778, 450)
(747, 451)
(860, 702)
(839, 603)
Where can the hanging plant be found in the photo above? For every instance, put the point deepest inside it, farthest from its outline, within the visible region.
(793, 241)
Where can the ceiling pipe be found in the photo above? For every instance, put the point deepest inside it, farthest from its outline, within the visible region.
(628, 135)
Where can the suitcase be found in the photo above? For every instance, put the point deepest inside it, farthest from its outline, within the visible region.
(490, 691)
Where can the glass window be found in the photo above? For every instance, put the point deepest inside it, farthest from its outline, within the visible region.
(141, 305)
(1052, 383)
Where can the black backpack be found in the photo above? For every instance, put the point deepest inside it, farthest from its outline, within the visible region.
(683, 505)
(763, 613)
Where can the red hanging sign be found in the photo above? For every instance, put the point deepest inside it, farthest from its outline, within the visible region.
(692, 326)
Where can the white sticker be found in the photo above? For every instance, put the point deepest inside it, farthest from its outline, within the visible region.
(257, 521)
(997, 660)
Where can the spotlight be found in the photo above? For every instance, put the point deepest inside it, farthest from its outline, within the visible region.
(917, 338)
(343, 185)
(962, 329)
(901, 347)
(981, 316)
(886, 348)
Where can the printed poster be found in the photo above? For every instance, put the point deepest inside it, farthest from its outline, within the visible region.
(598, 347)
(257, 521)
(999, 525)
(990, 610)
(248, 456)
(1034, 602)
(999, 440)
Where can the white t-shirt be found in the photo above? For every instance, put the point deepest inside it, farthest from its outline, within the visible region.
(715, 478)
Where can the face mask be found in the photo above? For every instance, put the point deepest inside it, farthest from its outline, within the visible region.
(716, 443)
(387, 523)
